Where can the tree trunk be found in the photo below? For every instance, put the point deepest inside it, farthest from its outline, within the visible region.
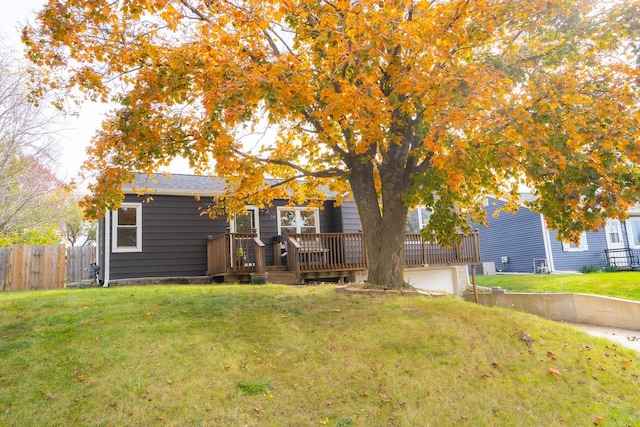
(385, 246)
(383, 225)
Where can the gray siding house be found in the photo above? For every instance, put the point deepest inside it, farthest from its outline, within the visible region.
(167, 236)
(522, 243)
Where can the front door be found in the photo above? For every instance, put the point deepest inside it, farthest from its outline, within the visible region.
(246, 222)
(613, 231)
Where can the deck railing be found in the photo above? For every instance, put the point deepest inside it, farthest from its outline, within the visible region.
(244, 253)
(319, 252)
(236, 253)
(418, 252)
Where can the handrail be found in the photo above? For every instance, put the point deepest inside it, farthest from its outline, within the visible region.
(260, 256)
(419, 252)
(293, 249)
(245, 253)
(320, 252)
(217, 255)
(236, 253)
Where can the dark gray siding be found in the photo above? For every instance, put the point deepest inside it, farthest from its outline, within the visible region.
(347, 218)
(518, 237)
(574, 260)
(174, 238)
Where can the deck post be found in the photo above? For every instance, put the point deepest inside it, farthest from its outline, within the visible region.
(473, 281)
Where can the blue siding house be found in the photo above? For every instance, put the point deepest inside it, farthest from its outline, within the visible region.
(522, 243)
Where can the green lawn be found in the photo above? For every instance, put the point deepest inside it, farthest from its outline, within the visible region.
(299, 356)
(619, 284)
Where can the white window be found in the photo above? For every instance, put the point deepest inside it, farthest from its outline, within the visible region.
(572, 247)
(246, 222)
(127, 228)
(298, 220)
(417, 220)
(633, 231)
(612, 229)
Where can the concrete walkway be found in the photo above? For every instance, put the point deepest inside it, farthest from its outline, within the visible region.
(625, 337)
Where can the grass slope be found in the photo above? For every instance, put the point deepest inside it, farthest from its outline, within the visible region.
(290, 356)
(619, 284)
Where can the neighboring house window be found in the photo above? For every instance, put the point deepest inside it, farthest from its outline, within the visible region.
(127, 228)
(612, 229)
(298, 220)
(246, 222)
(417, 220)
(572, 247)
(633, 231)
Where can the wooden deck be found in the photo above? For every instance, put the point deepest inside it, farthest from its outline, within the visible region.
(235, 257)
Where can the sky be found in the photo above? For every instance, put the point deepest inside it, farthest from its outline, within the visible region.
(76, 132)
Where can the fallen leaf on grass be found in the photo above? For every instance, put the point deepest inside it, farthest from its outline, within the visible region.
(49, 396)
(526, 338)
(598, 421)
(626, 362)
(554, 372)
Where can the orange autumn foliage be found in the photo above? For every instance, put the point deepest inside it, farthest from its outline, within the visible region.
(402, 103)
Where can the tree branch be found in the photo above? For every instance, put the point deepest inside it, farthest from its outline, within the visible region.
(195, 11)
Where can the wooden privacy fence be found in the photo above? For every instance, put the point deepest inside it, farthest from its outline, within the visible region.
(79, 258)
(43, 267)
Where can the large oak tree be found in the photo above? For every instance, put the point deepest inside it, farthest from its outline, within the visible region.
(402, 103)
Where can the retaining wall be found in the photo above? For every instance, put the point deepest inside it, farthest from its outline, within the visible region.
(574, 308)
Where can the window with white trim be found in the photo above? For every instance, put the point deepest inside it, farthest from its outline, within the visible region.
(612, 228)
(298, 220)
(572, 247)
(417, 220)
(633, 231)
(127, 228)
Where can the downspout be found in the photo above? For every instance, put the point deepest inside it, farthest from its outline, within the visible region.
(548, 252)
(107, 248)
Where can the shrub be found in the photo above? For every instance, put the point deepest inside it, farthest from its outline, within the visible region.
(590, 269)
(610, 269)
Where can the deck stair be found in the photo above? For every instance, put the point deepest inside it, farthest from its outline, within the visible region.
(280, 275)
